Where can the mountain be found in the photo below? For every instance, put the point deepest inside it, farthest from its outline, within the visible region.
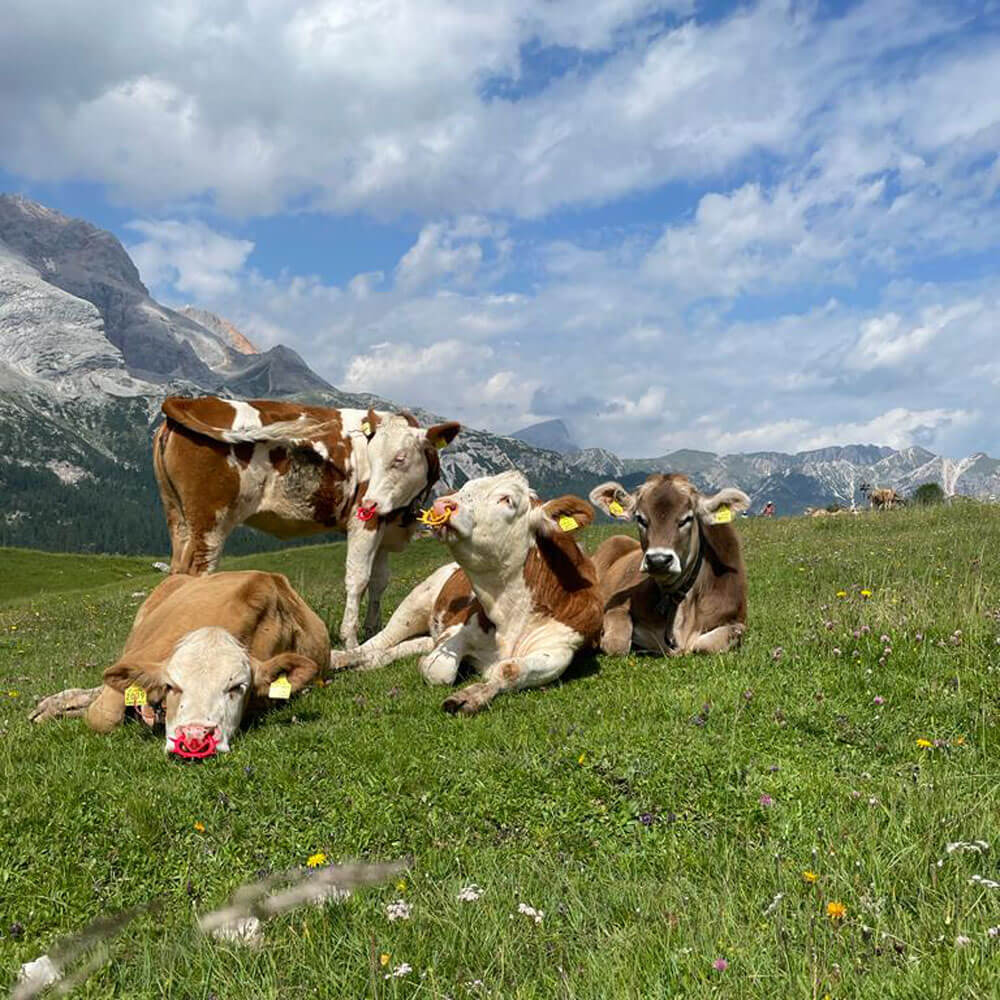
(552, 435)
(87, 355)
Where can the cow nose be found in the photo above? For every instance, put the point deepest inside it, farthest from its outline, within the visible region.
(444, 507)
(660, 562)
(195, 742)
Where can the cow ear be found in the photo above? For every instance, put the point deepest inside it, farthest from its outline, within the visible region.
(441, 435)
(299, 670)
(568, 513)
(614, 500)
(146, 674)
(729, 497)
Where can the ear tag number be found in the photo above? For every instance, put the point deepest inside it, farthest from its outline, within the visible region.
(723, 515)
(568, 523)
(135, 696)
(366, 427)
(616, 508)
(280, 688)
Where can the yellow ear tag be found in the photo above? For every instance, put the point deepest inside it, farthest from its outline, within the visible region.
(440, 443)
(135, 696)
(366, 427)
(723, 515)
(616, 508)
(280, 688)
(568, 523)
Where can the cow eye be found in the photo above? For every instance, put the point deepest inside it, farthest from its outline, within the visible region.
(686, 520)
(400, 459)
(238, 688)
(507, 500)
(642, 520)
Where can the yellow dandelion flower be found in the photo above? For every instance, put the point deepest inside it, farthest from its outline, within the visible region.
(866, 593)
(199, 826)
(924, 744)
(315, 860)
(581, 758)
(401, 885)
(842, 593)
(809, 876)
(383, 960)
(836, 910)
(959, 741)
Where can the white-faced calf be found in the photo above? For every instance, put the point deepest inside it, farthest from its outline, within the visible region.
(205, 649)
(682, 587)
(518, 603)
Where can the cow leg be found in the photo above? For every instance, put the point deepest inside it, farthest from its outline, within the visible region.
(719, 640)
(376, 588)
(67, 704)
(204, 545)
(514, 674)
(362, 548)
(616, 634)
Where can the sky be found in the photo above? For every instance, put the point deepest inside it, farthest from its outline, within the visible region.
(733, 227)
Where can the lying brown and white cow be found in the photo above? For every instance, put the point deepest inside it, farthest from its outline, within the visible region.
(293, 470)
(682, 587)
(518, 603)
(206, 648)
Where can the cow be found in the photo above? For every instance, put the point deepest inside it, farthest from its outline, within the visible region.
(519, 601)
(884, 498)
(681, 588)
(204, 649)
(293, 470)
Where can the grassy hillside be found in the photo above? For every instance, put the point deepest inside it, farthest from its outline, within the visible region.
(662, 813)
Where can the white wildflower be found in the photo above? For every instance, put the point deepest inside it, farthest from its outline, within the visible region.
(469, 893)
(398, 910)
(986, 883)
(774, 904)
(961, 941)
(530, 911)
(976, 846)
(993, 931)
(403, 969)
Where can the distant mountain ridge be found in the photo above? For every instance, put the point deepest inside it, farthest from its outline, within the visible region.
(87, 356)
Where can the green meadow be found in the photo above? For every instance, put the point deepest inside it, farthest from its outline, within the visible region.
(775, 822)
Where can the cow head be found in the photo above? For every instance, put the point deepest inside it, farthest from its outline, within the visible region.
(666, 508)
(403, 461)
(206, 684)
(492, 522)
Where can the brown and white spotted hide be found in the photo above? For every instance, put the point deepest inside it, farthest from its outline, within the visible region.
(206, 649)
(518, 603)
(293, 470)
(682, 586)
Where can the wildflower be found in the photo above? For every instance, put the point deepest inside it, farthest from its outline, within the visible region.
(961, 941)
(836, 651)
(401, 970)
(12, 694)
(836, 910)
(855, 794)
(809, 876)
(986, 883)
(581, 758)
(878, 700)
(720, 965)
(646, 819)
(774, 904)
(872, 801)
(924, 744)
(315, 860)
(842, 593)
(777, 653)
(866, 593)
(199, 826)
(383, 960)
(976, 846)
(766, 801)
(401, 885)
(884, 639)
(398, 910)
(469, 893)
(993, 931)
(530, 911)
(919, 637)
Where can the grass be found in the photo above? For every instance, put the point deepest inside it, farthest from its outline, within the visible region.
(626, 803)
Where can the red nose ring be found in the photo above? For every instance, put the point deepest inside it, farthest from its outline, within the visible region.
(193, 748)
(367, 513)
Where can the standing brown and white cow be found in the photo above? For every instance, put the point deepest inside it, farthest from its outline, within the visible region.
(682, 587)
(292, 470)
(518, 603)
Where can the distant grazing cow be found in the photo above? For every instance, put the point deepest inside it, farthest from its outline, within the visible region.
(292, 470)
(883, 498)
(682, 587)
(518, 603)
(206, 648)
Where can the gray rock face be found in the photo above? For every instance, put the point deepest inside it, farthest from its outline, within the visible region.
(552, 435)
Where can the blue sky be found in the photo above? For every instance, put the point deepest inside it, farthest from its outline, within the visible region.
(733, 227)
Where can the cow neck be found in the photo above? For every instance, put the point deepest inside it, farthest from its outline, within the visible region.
(502, 592)
(671, 598)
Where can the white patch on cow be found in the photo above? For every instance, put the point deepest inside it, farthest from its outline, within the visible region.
(246, 417)
(209, 675)
(321, 450)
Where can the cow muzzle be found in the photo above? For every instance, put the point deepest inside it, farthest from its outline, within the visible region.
(195, 742)
(660, 562)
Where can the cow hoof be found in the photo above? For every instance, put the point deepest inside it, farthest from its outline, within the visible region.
(66, 703)
(461, 704)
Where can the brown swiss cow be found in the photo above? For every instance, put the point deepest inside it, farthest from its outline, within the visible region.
(682, 587)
